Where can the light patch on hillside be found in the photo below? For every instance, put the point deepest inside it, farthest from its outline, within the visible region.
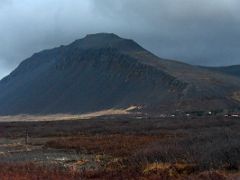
(62, 117)
(236, 96)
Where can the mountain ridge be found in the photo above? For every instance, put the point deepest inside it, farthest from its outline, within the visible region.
(104, 71)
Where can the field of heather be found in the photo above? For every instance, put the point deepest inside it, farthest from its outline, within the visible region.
(121, 147)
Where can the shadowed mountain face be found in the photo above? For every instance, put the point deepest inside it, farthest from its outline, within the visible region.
(104, 71)
(230, 70)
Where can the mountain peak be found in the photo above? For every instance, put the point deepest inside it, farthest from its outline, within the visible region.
(107, 40)
(102, 36)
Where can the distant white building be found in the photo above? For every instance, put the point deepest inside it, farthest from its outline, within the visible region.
(163, 115)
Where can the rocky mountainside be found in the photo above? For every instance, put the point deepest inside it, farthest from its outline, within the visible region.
(104, 71)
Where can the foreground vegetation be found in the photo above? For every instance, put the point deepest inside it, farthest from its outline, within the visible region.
(127, 147)
(33, 172)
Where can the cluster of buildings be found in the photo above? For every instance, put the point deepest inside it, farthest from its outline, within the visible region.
(232, 115)
(194, 114)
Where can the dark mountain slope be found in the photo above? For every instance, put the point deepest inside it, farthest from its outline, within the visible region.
(230, 70)
(73, 79)
(104, 71)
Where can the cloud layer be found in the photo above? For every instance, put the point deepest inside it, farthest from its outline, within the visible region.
(198, 32)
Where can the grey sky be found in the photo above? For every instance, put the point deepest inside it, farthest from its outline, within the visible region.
(205, 32)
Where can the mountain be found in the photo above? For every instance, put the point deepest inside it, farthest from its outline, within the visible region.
(230, 70)
(104, 71)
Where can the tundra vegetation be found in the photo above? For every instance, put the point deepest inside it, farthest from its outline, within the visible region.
(122, 147)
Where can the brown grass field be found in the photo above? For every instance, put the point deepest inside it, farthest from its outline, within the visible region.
(122, 147)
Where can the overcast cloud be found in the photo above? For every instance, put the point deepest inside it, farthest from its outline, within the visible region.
(205, 32)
